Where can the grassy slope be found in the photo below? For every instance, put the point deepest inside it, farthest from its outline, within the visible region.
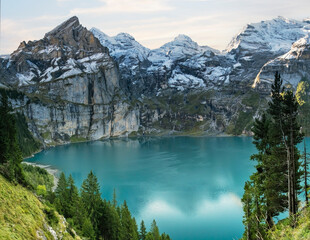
(283, 230)
(22, 215)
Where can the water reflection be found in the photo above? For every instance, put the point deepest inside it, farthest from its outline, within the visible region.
(209, 219)
(191, 186)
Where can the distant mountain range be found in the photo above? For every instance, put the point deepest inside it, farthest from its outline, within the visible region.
(188, 65)
(79, 84)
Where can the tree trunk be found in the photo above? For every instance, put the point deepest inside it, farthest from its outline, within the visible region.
(306, 173)
(288, 156)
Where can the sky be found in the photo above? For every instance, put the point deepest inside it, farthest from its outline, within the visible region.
(150, 22)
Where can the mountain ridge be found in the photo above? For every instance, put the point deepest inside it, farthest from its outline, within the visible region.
(243, 58)
(78, 85)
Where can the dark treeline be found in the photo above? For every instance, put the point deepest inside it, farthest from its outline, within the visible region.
(10, 154)
(88, 214)
(94, 217)
(277, 182)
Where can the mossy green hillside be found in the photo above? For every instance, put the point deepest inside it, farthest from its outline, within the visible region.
(23, 216)
(284, 230)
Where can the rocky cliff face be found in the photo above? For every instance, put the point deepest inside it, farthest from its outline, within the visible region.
(182, 68)
(76, 84)
(293, 65)
(71, 87)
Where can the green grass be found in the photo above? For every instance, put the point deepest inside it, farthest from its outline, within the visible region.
(36, 176)
(23, 216)
(252, 99)
(284, 231)
(244, 121)
(76, 138)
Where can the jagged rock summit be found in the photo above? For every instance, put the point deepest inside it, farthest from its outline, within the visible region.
(62, 52)
(70, 86)
(72, 89)
(293, 65)
(276, 35)
(65, 27)
(182, 64)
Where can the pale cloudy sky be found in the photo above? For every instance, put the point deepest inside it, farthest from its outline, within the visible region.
(151, 22)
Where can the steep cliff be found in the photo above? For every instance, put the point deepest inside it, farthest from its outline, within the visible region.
(293, 65)
(70, 88)
(76, 85)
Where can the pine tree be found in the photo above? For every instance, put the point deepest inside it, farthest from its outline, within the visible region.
(275, 185)
(253, 219)
(283, 109)
(114, 198)
(165, 236)
(73, 198)
(291, 137)
(306, 173)
(149, 236)
(129, 226)
(91, 199)
(155, 230)
(61, 193)
(80, 217)
(110, 223)
(135, 229)
(247, 209)
(142, 234)
(269, 180)
(87, 230)
(10, 154)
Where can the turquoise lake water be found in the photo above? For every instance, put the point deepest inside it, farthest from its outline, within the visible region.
(191, 185)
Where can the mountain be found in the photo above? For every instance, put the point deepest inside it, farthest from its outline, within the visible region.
(261, 42)
(69, 87)
(182, 64)
(276, 35)
(65, 51)
(123, 46)
(148, 71)
(293, 65)
(77, 85)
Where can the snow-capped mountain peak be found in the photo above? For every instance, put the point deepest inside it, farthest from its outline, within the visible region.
(123, 45)
(181, 41)
(182, 47)
(257, 44)
(124, 37)
(275, 35)
(68, 50)
(182, 38)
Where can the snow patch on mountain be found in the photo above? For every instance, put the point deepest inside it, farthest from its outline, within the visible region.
(70, 68)
(273, 35)
(181, 81)
(182, 47)
(122, 46)
(202, 66)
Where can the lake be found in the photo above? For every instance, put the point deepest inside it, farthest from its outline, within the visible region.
(191, 185)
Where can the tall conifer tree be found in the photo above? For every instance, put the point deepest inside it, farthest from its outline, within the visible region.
(10, 154)
(90, 196)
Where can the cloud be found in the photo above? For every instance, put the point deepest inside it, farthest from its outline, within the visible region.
(125, 6)
(13, 32)
(160, 208)
(154, 32)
